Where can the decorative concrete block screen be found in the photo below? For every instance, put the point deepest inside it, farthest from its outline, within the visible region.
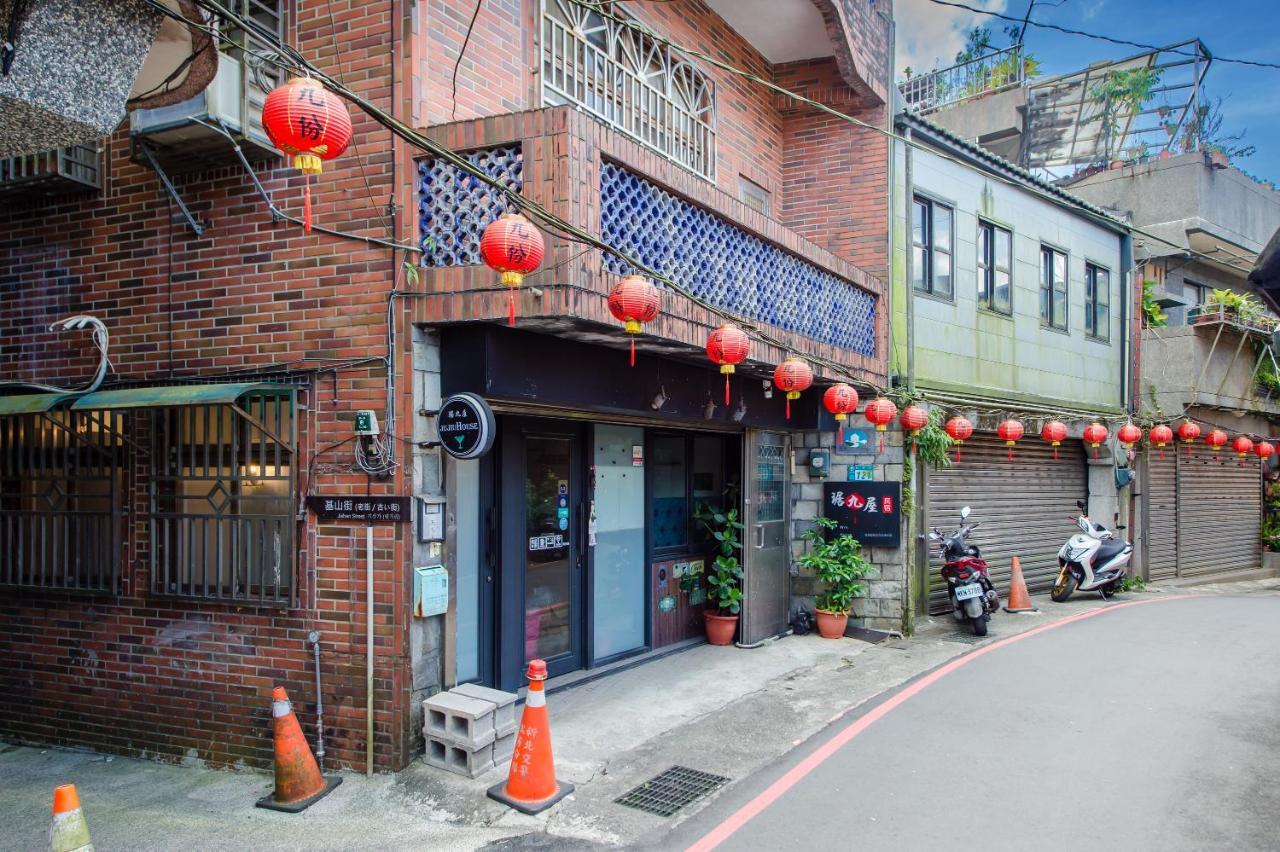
(456, 206)
(730, 268)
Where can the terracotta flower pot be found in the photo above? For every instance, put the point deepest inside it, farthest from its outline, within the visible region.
(720, 628)
(831, 624)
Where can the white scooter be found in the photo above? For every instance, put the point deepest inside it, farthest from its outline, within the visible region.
(1093, 560)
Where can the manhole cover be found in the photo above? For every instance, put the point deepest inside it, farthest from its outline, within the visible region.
(671, 790)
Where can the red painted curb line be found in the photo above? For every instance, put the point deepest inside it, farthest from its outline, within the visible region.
(774, 791)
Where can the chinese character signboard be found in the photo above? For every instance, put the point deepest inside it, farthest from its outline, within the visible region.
(366, 509)
(466, 426)
(868, 511)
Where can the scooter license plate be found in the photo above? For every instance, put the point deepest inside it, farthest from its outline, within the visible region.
(971, 590)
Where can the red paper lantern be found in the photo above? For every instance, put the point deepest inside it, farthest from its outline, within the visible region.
(793, 376)
(1216, 439)
(1055, 432)
(1242, 447)
(1187, 433)
(1161, 435)
(841, 400)
(305, 120)
(512, 247)
(1264, 450)
(1094, 435)
(960, 430)
(728, 345)
(913, 419)
(634, 301)
(1129, 434)
(880, 413)
(1010, 431)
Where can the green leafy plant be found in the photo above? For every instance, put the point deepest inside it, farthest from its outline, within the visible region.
(1121, 93)
(838, 564)
(1271, 533)
(724, 579)
(1133, 584)
(933, 444)
(1152, 316)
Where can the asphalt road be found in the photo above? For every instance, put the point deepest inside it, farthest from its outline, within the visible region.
(1153, 726)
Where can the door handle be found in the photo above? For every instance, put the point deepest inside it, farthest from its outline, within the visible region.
(759, 536)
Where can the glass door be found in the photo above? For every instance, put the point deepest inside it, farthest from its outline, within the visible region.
(767, 586)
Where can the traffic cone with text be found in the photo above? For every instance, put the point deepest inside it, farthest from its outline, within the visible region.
(68, 832)
(531, 786)
(1019, 600)
(299, 783)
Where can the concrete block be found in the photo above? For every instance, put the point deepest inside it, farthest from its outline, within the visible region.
(504, 714)
(451, 757)
(460, 720)
(826, 439)
(811, 491)
(804, 510)
(502, 749)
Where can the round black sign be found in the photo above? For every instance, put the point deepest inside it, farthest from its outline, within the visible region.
(466, 426)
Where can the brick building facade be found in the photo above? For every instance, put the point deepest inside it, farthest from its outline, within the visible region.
(140, 667)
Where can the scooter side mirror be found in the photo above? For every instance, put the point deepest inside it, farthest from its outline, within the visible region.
(934, 535)
(1080, 505)
(964, 513)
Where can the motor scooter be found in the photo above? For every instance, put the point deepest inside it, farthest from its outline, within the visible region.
(969, 588)
(1092, 560)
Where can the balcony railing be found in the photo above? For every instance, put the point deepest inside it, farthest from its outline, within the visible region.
(74, 169)
(947, 86)
(630, 81)
(1247, 321)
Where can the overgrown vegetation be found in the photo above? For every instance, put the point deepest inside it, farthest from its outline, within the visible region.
(1122, 93)
(1152, 316)
(1133, 584)
(1203, 132)
(838, 564)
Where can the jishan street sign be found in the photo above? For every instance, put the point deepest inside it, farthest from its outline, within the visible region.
(466, 426)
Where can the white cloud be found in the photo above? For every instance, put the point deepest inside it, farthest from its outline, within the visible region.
(930, 34)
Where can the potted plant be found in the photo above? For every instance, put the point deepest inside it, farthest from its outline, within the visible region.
(724, 577)
(838, 564)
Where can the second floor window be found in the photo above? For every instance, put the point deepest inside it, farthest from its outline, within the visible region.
(1097, 302)
(1053, 288)
(627, 79)
(931, 242)
(995, 261)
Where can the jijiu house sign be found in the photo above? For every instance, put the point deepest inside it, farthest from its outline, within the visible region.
(871, 512)
(466, 426)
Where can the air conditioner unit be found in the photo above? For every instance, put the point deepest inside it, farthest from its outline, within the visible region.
(233, 100)
(50, 173)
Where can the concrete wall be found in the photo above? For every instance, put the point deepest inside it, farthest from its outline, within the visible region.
(1182, 366)
(994, 121)
(964, 349)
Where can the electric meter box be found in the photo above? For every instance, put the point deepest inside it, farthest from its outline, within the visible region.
(366, 422)
(430, 591)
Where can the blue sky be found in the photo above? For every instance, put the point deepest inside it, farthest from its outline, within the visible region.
(1246, 29)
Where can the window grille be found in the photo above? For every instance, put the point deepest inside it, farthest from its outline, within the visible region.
(630, 81)
(223, 490)
(61, 500)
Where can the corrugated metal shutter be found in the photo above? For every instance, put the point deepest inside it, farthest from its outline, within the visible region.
(1219, 514)
(1162, 515)
(1025, 506)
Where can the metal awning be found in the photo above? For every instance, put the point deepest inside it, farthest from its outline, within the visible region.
(174, 395)
(30, 403)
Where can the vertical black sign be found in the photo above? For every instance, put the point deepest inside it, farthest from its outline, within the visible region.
(871, 512)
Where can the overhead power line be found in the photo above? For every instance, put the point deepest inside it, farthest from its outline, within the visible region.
(1028, 20)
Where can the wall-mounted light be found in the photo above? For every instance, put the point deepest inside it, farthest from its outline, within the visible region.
(768, 389)
(709, 410)
(659, 399)
(741, 410)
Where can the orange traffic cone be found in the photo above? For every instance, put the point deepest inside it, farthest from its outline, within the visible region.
(68, 832)
(299, 783)
(531, 786)
(1019, 600)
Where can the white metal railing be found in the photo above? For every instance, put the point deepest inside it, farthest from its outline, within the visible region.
(990, 73)
(629, 81)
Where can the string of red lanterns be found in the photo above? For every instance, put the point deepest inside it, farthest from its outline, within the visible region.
(633, 302)
(1187, 433)
(1161, 435)
(960, 430)
(727, 346)
(793, 376)
(1010, 431)
(1055, 432)
(512, 247)
(913, 419)
(1094, 434)
(308, 122)
(1216, 439)
(880, 413)
(841, 400)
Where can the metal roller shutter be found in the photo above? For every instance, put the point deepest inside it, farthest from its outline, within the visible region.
(1162, 516)
(1025, 507)
(1219, 515)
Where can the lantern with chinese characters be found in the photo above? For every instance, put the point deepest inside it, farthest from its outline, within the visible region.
(728, 345)
(793, 376)
(1094, 435)
(1216, 439)
(1055, 432)
(1264, 450)
(841, 400)
(512, 247)
(1161, 435)
(960, 430)
(305, 120)
(1187, 433)
(913, 419)
(1010, 431)
(633, 302)
(880, 413)
(1129, 434)
(1242, 446)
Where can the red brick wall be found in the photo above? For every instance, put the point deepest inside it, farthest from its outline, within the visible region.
(146, 675)
(835, 174)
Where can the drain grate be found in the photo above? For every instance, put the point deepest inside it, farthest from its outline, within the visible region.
(671, 790)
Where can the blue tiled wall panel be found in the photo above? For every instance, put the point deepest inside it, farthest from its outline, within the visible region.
(730, 268)
(456, 207)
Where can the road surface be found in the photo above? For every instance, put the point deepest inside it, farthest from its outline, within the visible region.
(1151, 726)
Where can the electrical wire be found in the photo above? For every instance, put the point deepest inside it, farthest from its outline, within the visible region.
(462, 51)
